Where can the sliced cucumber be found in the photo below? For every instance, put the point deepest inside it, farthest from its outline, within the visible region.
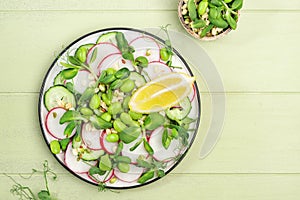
(107, 37)
(59, 79)
(181, 112)
(92, 155)
(137, 78)
(57, 94)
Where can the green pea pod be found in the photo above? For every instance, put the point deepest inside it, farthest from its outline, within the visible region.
(95, 101)
(216, 2)
(122, 73)
(146, 176)
(237, 4)
(191, 6)
(206, 30)
(71, 115)
(219, 22)
(69, 73)
(202, 7)
(147, 147)
(230, 20)
(69, 128)
(198, 23)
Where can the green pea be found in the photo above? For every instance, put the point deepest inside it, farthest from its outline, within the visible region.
(105, 99)
(55, 147)
(230, 20)
(191, 6)
(69, 73)
(127, 86)
(115, 108)
(164, 54)
(202, 7)
(95, 102)
(106, 116)
(118, 125)
(135, 115)
(122, 73)
(146, 176)
(123, 167)
(141, 61)
(113, 137)
(86, 111)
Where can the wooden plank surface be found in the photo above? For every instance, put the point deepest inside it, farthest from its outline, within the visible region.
(29, 51)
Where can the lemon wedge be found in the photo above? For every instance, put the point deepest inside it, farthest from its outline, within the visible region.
(161, 93)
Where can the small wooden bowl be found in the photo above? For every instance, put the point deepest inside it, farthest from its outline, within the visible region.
(191, 32)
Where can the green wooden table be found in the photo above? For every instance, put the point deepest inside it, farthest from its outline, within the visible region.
(258, 156)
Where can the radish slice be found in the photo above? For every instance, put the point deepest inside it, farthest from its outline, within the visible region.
(193, 94)
(54, 128)
(133, 155)
(72, 162)
(90, 137)
(160, 153)
(102, 178)
(116, 61)
(97, 53)
(145, 45)
(82, 80)
(155, 69)
(109, 147)
(132, 175)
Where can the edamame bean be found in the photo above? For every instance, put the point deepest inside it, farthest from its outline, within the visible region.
(113, 137)
(122, 73)
(127, 86)
(125, 102)
(202, 7)
(105, 99)
(86, 111)
(126, 119)
(141, 61)
(146, 176)
(164, 54)
(106, 116)
(123, 167)
(115, 108)
(55, 147)
(95, 101)
(118, 125)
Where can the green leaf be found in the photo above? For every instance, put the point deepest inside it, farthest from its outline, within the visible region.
(64, 143)
(95, 170)
(105, 163)
(144, 164)
(153, 121)
(74, 60)
(44, 195)
(69, 66)
(100, 123)
(130, 134)
(94, 55)
(71, 115)
(69, 128)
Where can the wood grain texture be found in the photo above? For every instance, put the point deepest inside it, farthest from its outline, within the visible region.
(266, 60)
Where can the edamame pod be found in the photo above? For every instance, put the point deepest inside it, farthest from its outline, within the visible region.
(95, 101)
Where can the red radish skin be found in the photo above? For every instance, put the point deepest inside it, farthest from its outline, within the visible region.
(53, 127)
(152, 45)
(160, 153)
(91, 138)
(109, 147)
(75, 165)
(155, 69)
(193, 94)
(103, 49)
(131, 176)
